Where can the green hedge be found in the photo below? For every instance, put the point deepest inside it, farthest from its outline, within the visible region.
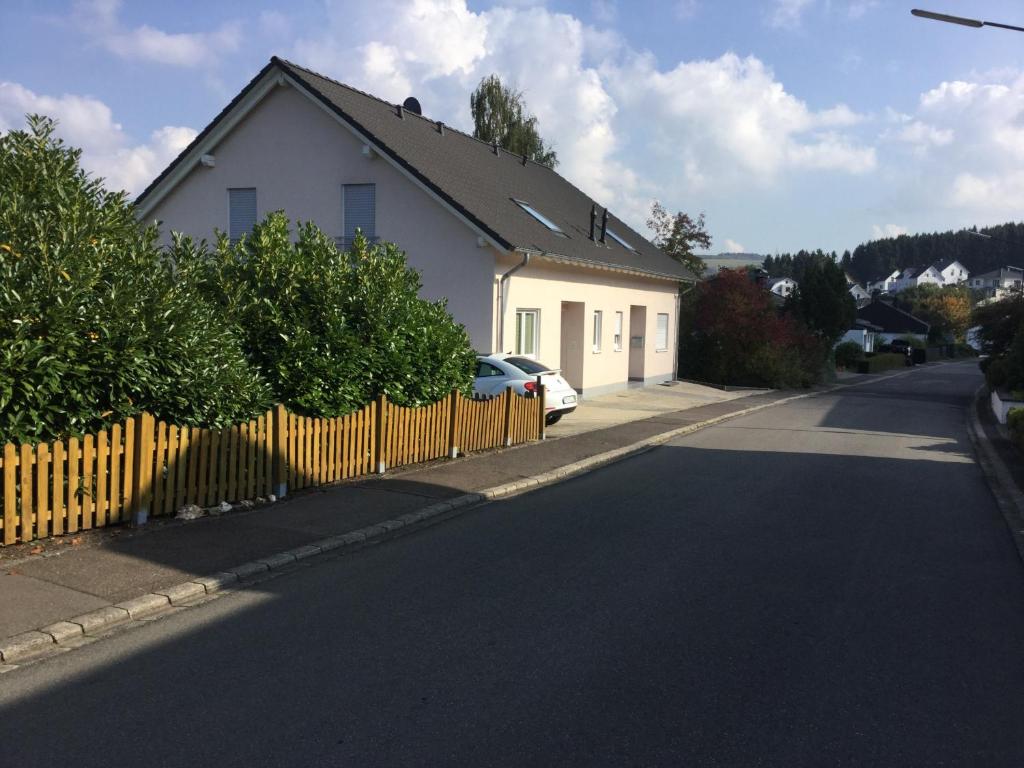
(882, 362)
(1015, 423)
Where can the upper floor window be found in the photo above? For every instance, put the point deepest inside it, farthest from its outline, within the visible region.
(540, 217)
(359, 212)
(241, 212)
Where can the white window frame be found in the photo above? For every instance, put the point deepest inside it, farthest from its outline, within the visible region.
(521, 333)
(617, 337)
(657, 332)
(598, 329)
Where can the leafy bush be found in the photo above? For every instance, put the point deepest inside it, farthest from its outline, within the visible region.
(1015, 424)
(732, 334)
(881, 362)
(331, 330)
(997, 373)
(98, 325)
(848, 354)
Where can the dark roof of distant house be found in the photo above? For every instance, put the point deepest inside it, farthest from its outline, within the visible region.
(479, 183)
(776, 280)
(891, 319)
(1003, 273)
(941, 265)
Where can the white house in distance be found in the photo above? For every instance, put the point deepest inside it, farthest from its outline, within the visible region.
(940, 273)
(884, 284)
(782, 286)
(999, 282)
(529, 263)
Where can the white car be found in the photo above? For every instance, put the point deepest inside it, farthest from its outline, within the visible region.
(494, 373)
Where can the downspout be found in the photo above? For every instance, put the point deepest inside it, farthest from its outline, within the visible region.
(502, 296)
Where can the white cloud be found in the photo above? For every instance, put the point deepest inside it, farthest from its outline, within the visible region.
(626, 129)
(731, 246)
(605, 11)
(787, 14)
(889, 230)
(100, 20)
(88, 123)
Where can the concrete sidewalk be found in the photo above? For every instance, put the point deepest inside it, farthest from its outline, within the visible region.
(53, 580)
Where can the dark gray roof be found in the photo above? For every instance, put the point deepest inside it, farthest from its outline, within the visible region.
(481, 185)
(891, 319)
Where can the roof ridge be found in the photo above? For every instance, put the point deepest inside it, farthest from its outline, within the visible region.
(369, 95)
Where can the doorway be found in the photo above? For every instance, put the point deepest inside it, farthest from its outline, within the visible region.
(571, 357)
(637, 341)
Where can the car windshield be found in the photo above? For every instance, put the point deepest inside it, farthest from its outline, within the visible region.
(526, 365)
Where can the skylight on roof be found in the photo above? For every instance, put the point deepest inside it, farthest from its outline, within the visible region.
(540, 217)
(620, 241)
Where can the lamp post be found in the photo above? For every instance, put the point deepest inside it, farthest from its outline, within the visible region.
(961, 20)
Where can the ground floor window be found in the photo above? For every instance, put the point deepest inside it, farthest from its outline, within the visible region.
(661, 334)
(527, 327)
(597, 330)
(617, 338)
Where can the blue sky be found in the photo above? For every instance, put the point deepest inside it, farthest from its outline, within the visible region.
(790, 123)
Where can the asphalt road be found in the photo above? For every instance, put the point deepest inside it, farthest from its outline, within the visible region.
(823, 583)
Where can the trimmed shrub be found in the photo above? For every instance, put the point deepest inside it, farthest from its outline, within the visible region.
(881, 362)
(848, 354)
(331, 330)
(97, 323)
(1015, 424)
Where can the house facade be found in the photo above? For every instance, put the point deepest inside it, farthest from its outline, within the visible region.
(998, 283)
(782, 286)
(890, 322)
(884, 284)
(528, 263)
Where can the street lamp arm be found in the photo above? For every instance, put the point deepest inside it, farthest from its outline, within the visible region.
(961, 20)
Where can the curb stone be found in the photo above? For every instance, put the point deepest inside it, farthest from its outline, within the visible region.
(56, 637)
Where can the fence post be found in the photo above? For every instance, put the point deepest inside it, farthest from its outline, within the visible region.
(453, 407)
(142, 475)
(506, 434)
(543, 414)
(378, 434)
(280, 451)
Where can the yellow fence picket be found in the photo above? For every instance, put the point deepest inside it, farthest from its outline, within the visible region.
(57, 489)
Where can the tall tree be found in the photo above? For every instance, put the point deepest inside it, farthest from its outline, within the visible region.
(822, 300)
(678, 235)
(499, 115)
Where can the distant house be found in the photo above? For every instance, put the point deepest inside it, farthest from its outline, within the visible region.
(951, 271)
(858, 293)
(894, 323)
(782, 286)
(914, 277)
(863, 333)
(884, 284)
(528, 262)
(999, 282)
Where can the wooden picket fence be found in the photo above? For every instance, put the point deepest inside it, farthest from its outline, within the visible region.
(143, 467)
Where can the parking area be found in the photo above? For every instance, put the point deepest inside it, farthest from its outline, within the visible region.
(638, 403)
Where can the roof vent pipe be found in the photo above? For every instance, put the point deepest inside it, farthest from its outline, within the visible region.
(497, 152)
(401, 112)
(593, 221)
(440, 127)
(604, 225)
(524, 159)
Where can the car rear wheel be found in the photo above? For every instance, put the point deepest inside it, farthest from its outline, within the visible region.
(553, 418)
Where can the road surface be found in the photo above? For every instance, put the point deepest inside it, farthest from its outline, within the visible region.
(827, 582)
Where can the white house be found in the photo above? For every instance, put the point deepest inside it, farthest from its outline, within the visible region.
(912, 277)
(999, 282)
(885, 284)
(527, 261)
(951, 271)
(782, 286)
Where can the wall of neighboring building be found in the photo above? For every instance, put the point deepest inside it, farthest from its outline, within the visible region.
(544, 286)
(298, 156)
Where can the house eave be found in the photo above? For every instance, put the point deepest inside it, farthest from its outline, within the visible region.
(558, 258)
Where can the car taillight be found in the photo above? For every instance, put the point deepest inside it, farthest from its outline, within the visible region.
(530, 386)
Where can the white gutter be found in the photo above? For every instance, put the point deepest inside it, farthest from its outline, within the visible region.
(502, 297)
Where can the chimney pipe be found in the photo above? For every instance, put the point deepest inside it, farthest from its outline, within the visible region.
(593, 221)
(494, 146)
(401, 112)
(440, 127)
(604, 225)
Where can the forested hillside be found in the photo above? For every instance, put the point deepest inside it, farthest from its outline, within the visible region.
(875, 258)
